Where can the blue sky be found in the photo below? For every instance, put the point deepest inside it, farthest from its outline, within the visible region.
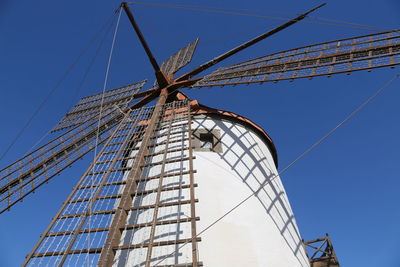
(348, 186)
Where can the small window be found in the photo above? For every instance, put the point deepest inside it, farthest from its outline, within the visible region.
(207, 140)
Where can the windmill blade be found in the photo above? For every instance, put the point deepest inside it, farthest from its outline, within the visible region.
(25, 175)
(179, 60)
(90, 106)
(96, 200)
(324, 59)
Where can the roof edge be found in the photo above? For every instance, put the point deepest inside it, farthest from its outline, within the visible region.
(197, 109)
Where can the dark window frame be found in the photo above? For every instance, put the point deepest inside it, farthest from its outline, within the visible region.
(205, 136)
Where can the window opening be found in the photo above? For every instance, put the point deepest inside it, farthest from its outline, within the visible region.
(206, 141)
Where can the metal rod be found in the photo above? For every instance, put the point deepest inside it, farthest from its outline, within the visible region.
(245, 45)
(141, 37)
(161, 79)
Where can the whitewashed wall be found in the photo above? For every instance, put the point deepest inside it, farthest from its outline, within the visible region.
(260, 233)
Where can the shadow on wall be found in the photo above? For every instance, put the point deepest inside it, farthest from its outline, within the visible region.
(258, 174)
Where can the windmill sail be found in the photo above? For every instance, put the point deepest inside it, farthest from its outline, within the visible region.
(340, 56)
(179, 60)
(89, 107)
(25, 175)
(82, 230)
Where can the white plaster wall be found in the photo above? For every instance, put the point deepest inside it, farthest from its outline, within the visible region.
(260, 233)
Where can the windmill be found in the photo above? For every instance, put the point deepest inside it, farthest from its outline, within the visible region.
(35, 169)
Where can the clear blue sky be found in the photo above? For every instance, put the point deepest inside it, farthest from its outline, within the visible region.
(348, 186)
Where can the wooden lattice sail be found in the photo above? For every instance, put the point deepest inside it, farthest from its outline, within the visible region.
(340, 56)
(178, 60)
(108, 102)
(128, 185)
(25, 175)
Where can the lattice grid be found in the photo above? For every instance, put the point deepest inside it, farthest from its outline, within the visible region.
(163, 200)
(89, 107)
(341, 56)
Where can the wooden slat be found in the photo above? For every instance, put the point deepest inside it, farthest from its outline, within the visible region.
(82, 231)
(71, 252)
(156, 244)
(140, 225)
(145, 192)
(101, 212)
(167, 204)
(127, 227)
(140, 179)
(151, 145)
